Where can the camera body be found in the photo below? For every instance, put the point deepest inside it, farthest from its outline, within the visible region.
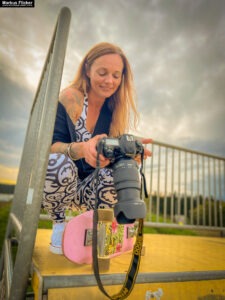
(121, 152)
(124, 146)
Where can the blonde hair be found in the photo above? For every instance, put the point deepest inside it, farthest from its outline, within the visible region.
(122, 103)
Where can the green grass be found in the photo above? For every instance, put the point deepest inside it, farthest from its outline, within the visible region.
(4, 212)
(166, 230)
(174, 231)
(45, 224)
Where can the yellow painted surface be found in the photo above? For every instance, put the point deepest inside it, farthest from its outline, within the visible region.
(164, 253)
(192, 290)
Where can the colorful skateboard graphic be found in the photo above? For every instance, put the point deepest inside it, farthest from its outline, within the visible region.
(113, 238)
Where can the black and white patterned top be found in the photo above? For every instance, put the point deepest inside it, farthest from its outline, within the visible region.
(82, 134)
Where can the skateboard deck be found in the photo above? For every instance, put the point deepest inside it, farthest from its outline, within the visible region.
(113, 238)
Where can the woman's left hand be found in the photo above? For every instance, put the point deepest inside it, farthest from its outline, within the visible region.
(147, 153)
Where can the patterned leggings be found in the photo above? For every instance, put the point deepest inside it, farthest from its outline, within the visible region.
(63, 188)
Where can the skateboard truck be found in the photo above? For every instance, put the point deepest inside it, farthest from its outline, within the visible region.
(88, 237)
(131, 232)
(105, 217)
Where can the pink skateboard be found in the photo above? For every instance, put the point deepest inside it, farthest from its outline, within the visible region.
(113, 238)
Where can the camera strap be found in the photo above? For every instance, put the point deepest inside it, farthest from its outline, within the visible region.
(136, 255)
(143, 179)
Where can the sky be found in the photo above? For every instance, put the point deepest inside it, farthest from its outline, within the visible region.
(176, 50)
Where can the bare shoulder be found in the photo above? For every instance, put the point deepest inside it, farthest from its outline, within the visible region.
(71, 95)
(72, 99)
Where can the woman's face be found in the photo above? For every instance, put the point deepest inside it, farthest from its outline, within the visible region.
(105, 75)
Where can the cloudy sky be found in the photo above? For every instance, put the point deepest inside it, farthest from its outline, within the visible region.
(176, 49)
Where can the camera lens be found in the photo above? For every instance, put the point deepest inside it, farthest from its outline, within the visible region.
(127, 184)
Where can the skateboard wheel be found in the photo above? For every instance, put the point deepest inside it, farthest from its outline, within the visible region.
(103, 264)
(105, 215)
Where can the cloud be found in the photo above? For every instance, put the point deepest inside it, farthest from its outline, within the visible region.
(14, 112)
(176, 50)
(183, 82)
(23, 47)
(8, 174)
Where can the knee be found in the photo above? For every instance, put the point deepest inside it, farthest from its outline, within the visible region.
(60, 162)
(106, 176)
(58, 159)
(61, 171)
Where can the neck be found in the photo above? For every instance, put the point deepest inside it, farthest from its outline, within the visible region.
(95, 101)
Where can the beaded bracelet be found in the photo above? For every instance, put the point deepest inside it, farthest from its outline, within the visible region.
(68, 151)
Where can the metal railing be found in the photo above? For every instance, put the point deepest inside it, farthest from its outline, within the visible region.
(24, 215)
(185, 187)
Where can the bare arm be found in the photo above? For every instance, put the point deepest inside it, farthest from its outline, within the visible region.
(86, 150)
(72, 101)
(76, 149)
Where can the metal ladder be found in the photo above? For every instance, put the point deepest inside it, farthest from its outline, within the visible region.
(25, 210)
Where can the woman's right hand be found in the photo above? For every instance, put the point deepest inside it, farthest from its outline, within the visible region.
(90, 152)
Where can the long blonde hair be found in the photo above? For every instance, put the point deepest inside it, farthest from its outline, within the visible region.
(122, 103)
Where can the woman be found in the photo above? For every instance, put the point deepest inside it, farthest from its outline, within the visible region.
(99, 102)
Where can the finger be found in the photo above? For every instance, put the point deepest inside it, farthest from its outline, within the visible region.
(146, 141)
(102, 161)
(100, 136)
(103, 158)
(147, 152)
(103, 165)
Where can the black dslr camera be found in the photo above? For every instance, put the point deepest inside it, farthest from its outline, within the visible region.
(122, 151)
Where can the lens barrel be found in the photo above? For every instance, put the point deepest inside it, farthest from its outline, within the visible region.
(127, 184)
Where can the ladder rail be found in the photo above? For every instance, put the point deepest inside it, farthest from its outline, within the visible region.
(29, 189)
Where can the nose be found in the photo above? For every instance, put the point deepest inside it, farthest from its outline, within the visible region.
(109, 78)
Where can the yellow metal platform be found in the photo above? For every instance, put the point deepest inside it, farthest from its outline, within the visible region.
(178, 267)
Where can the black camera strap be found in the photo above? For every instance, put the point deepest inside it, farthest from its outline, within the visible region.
(143, 179)
(136, 255)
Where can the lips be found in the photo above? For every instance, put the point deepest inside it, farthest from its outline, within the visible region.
(106, 89)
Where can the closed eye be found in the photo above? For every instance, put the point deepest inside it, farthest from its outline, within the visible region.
(102, 72)
(117, 76)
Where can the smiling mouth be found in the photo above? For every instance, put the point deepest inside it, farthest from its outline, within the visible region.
(106, 88)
